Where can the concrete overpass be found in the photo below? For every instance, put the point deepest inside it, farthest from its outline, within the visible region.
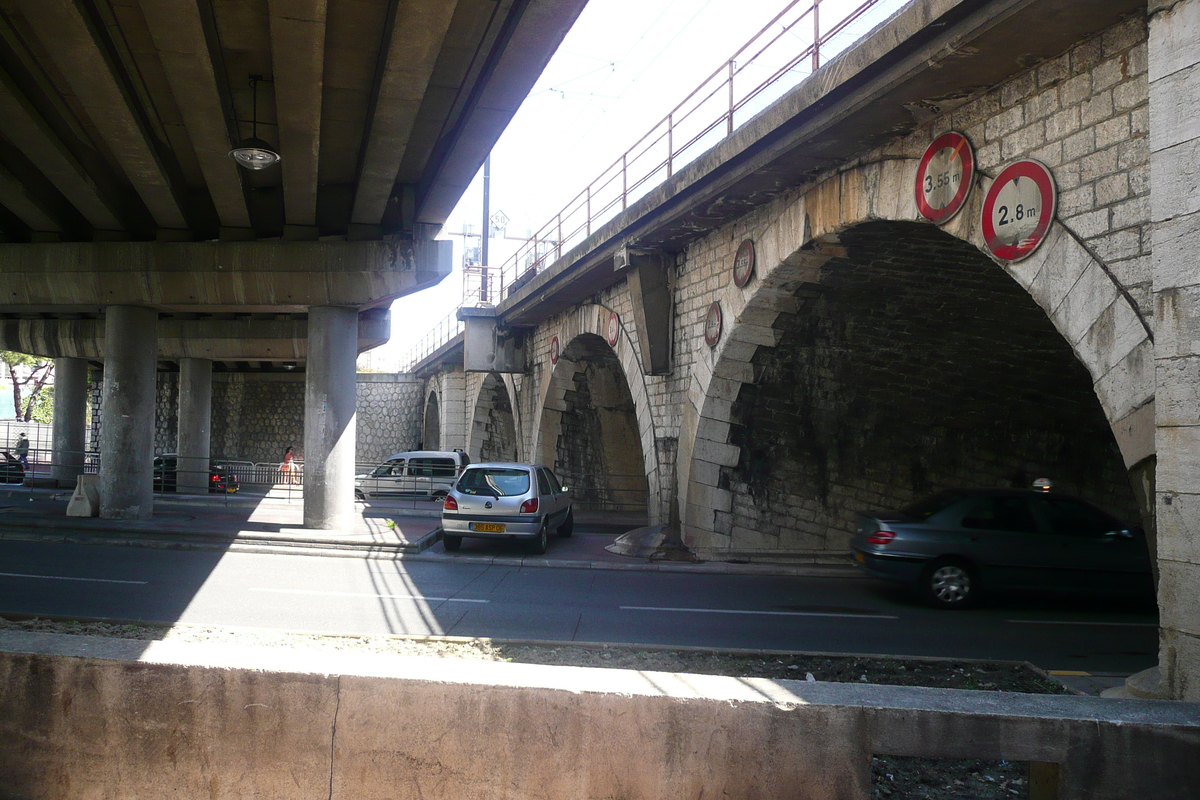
(871, 355)
(131, 237)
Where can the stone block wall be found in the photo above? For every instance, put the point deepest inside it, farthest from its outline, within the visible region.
(389, 414)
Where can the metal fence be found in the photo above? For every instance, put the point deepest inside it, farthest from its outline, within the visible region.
(442, 332)
(787, 50)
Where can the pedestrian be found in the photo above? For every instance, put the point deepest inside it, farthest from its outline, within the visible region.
(22, 449)
(288, 468)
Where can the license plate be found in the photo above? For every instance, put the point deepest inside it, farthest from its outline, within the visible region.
(488, 527)
(861, 558)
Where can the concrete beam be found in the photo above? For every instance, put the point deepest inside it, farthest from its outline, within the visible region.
(217, 277)
(28, 131)
(298, 59)
(68, 39)
(212, 339)
(178, 34)
(416, 40)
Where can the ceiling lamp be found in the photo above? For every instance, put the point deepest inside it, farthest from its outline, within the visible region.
(254, 153)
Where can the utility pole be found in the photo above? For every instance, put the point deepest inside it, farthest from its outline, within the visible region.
(486, 233)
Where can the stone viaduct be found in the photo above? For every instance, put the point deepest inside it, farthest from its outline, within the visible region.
(873, 356)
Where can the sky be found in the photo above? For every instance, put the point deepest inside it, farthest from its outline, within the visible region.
(621, 68)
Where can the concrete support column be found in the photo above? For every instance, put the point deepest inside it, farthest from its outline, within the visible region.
(70, 419)
(127, 429)
(329, 408)
(1174, 69)
(195, 417)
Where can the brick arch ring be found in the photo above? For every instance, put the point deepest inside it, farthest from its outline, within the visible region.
(797, 235)
(593, 319)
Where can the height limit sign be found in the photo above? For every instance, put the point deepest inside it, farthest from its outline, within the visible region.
(945, 176)
(1018, 210)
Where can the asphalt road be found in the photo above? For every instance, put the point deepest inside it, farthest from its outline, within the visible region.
(365, 596)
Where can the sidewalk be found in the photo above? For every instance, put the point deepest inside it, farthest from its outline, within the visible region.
(272, 521)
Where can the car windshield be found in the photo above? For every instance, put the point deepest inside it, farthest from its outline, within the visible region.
(926, 508)
(495, 481)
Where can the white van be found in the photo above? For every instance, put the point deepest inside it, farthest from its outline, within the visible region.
(419, 473)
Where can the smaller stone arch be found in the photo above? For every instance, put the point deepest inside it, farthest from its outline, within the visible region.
(431, 431)
(583, 333)
(494, 435)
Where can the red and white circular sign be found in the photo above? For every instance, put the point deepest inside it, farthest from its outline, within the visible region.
(945, 176)
(1018, 210)
(614, 328)
(713, 323)
(554, 350)
(743, 263)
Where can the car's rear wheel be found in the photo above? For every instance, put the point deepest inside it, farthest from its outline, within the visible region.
(542, 540)
(950, 583)
(568, 525)
(358, 495)
(451, 542)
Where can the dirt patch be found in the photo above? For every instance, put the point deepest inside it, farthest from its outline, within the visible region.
(894, 778)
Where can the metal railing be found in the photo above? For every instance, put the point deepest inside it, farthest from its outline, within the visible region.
(606, 492)
(445, 330)
(773, 61)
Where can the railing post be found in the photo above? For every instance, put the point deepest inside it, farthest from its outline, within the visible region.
(729, 119)
(816, 35)
(670, 143)
(589, 210)
(558, 243)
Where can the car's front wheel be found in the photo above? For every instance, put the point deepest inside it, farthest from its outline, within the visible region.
(950, 583)
(451, 542)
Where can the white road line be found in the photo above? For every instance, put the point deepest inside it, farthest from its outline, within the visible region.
(65, 578)
(1081, 622)
(371, 594)
(762, 613)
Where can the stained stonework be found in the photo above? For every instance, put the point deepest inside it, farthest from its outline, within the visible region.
(389, 415)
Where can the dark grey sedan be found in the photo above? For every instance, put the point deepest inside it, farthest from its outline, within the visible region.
(954, 544)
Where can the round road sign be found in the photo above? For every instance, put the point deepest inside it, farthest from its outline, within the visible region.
(1018, 210)
(554, 350)
(614, 328)
(743, 263)
(945, 176)
(713, 323)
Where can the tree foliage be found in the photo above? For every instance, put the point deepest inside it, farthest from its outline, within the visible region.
(29, 376)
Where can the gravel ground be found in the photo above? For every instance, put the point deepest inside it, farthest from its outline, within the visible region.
(894, 778)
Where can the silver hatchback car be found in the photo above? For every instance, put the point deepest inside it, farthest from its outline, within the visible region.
(503, 499)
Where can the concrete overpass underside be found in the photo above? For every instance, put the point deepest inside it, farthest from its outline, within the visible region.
(130, 238)
(873, 356)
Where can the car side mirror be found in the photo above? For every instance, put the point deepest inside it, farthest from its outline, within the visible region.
(566, 489)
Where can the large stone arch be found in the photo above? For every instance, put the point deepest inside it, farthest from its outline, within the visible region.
(495, 432)
(580, 331)
(806, 237)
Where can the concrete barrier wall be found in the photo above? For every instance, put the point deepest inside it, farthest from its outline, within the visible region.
(92, 718)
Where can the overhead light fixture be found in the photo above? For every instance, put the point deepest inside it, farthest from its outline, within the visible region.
(254, 153)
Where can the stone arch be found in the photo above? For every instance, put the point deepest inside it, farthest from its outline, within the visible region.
(494, 432)
(581, 333)
(810, 238)
(431, 431)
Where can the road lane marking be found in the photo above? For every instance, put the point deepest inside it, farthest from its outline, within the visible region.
(1081, 622)
(370, 594)
(65, 578)
(762, 613)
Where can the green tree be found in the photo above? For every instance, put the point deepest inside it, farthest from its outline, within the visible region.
(29, 373)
